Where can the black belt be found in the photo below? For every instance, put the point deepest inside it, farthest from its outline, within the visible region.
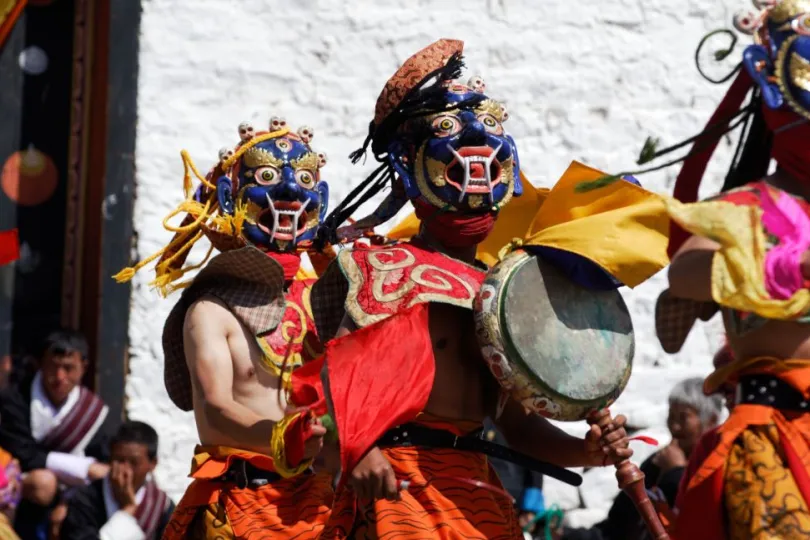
(770, 391)
(416, 435)
(243, 474)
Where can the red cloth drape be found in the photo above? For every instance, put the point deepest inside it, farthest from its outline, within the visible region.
(378, 377)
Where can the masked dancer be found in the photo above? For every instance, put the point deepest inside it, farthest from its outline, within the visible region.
(240, 328)
(745, 250)
(405, 382)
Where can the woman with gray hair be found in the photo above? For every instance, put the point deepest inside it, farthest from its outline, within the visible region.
(691, 413)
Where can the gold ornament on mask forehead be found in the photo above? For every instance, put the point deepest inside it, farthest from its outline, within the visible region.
(259, 157)
(787, 9)
(309, 161)
(492, 107)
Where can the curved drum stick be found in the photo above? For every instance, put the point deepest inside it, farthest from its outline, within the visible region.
(631, 481)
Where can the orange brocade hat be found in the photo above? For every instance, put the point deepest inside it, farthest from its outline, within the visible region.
(413, 73)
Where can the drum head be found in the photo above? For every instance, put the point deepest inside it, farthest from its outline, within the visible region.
(566, 350)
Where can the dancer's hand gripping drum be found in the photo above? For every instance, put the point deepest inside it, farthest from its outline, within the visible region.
(561, 350)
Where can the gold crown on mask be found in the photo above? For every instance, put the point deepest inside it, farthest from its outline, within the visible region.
(203, 216)
(751, 22)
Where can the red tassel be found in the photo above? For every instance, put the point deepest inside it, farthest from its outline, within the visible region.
(645, 440)
(694, 167)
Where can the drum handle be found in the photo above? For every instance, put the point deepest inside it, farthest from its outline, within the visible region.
(631, 481)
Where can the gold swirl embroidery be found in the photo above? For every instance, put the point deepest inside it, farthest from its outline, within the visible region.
(384, 269)
(274, 360)
(378, 264)
(762, 499)
(437, 282)
(438, 286)
(306, 293)
(300, 323)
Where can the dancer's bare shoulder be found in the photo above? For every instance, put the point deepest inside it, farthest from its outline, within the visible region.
(206, 331)
(209, 316)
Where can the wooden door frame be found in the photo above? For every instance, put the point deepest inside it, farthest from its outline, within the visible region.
(101, 188)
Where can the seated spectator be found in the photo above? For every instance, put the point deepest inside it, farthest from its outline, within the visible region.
(55, 428)
(126, 505)
(691, 414)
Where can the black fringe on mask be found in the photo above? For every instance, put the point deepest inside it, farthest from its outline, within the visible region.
(425, 99)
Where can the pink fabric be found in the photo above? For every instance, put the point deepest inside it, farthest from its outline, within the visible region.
(786, 220)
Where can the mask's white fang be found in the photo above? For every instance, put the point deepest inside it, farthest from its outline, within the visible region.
(466, 161)
(488, 171)
(272, 208)
(296, 215)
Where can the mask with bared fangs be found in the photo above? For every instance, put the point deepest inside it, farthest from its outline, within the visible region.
(276, 184)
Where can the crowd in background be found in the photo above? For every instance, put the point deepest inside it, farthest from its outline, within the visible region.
(93, 479)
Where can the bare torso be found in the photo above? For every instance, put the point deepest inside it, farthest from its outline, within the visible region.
(251, 386)
(779, 339)
(463, 388)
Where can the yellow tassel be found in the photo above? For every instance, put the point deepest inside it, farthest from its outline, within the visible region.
(124, 275)
(128, 273)
(277, 450)
(188, 168)
(250, 144)
(190, 207)
(176, 287)
(162, 282)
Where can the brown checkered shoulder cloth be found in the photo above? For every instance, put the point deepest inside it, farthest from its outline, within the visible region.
(328, 298)
(249, 282)
(675, 317)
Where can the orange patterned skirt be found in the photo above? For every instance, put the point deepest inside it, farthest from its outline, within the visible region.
(441, 501)
(296, 507)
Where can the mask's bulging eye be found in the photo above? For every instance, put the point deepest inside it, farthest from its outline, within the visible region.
(305, 179)
(446, 125)
(490, 123)
(284, 145)
(267, 176)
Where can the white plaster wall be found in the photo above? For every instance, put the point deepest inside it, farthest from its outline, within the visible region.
(587, 80)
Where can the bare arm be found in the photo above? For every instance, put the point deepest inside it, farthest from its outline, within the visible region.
(690, 274)
(533, 435)
(548, 443)
(205, 340)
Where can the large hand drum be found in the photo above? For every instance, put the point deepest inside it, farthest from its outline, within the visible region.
(562, 351)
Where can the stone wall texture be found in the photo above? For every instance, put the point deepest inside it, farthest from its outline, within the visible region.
(586, 80)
